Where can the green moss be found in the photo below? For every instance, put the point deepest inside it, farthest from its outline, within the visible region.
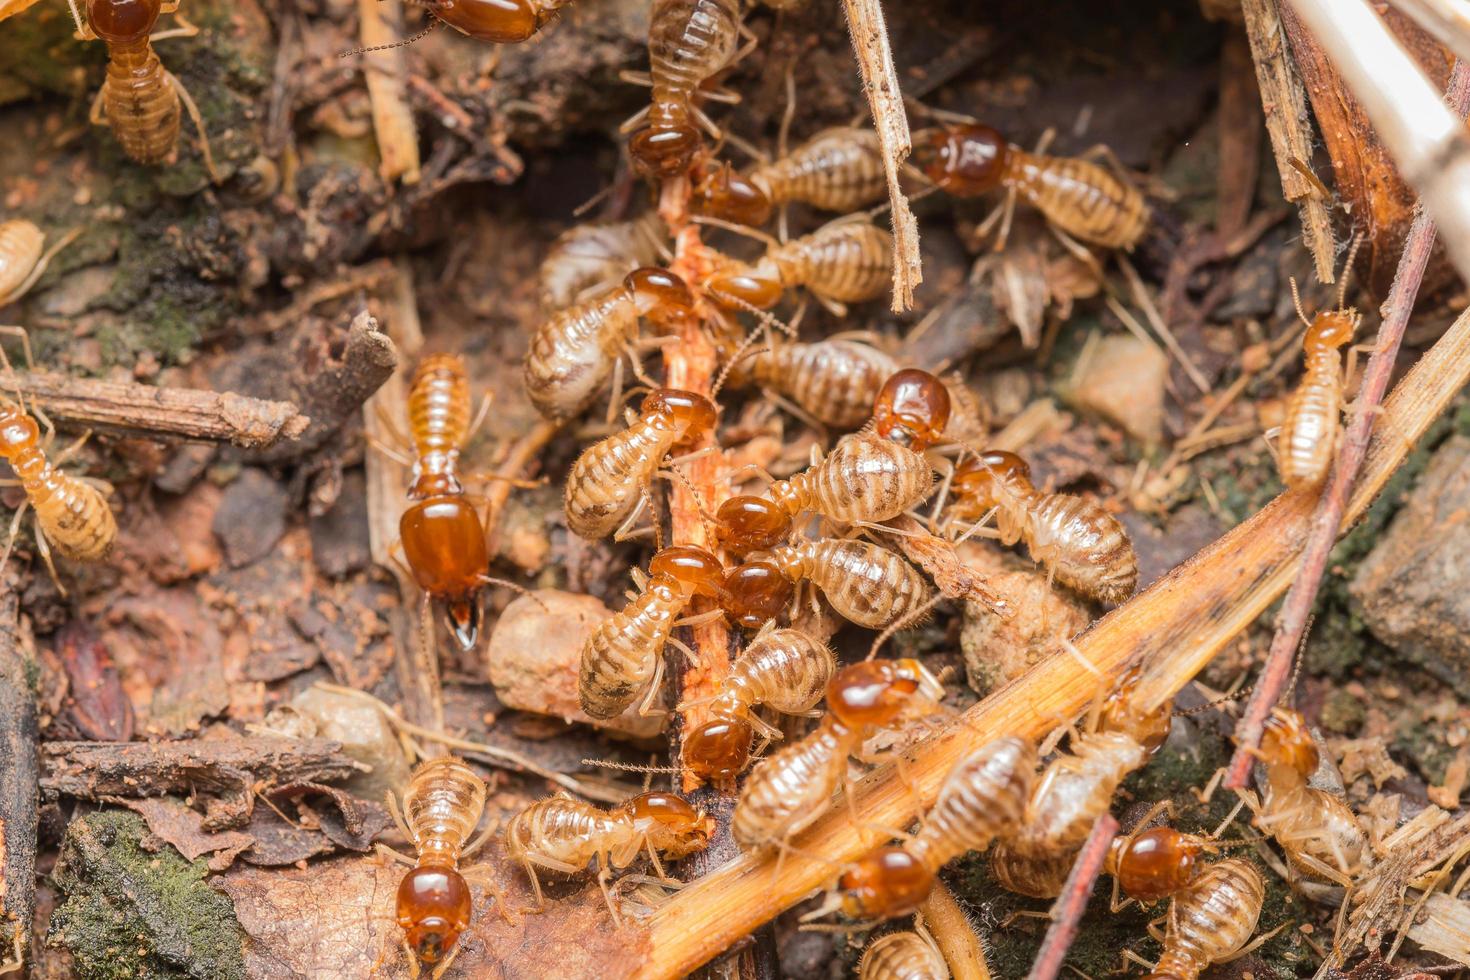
(32, 670)
(1423, 743)
(131, 913)
(1342, 713)
(1334, 648)
(39, 54)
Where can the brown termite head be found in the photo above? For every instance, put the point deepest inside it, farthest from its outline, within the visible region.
(664, 148)
(123, 21)
(433, 909)
(1155, 863)
(912, 409)
(696, 571)
(991, 478)
(881, 692)
(671, 826)
(692, 413)
(1285, 741)
(887, 883)
(745, 286)
(754, 593)
(1331, 330)
(1122, 712)
(718, 750)
(659, 295)
(18, 432)
(494, 21)
(965, 161)
(749, 523)
(444, 545)
(727, 195)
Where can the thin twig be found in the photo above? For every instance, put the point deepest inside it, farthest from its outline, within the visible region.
(963, 950)
(19, 786)
(1066, 914)
(1329, 516)
(1447, 20)
(381, 23)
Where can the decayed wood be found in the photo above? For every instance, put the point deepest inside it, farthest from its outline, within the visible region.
(381, 22)
(953, 931)
(19, 793)
(1175, 628)
(148, 410)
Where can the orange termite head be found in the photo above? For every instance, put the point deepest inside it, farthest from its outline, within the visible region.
(912, 408)
(879, 692)
(965, 161)
(121, 21)
(672, 826)
(659, 295)
(664, 148)
(741, 286)
(18, 431)
(444, 546)
(718, 750)
(749, 523)
(1286, 741)
(495, 21)
(754, 593)
(1331, 330)
(691, 412)
(727, 195)
(1154, 863)
(887, 883)
(984, 481)
(697, 571)
(1122, 712)
(433, 909)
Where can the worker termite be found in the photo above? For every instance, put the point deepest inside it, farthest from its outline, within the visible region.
(783, 669)
(22, 261)
(1317, 831)
(574, 350)
(562, 834)
(903, 956)
(984, 797)
(623, 657)
(839, 169)
(833, 381)
(864, 582)
(844, 261)
(1309, 431)
(1081, 545)
(1211, 920)
(607, 487)
(689, 41)
(1079, 198)
(442, 806)
(591, 256)
(140, 98)
(788, 790)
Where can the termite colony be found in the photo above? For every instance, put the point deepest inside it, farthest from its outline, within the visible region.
(769, 492)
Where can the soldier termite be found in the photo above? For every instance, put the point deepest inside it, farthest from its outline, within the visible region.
(783, 669)
(140, 98)
(789, 789)
(833, 381)
(849, 260)
(623, 657)
(592, 256)
(911, 408)
(754, 593)
(22, 260)
(903, 956)
(689, 42)
(1080, 544)
(839, 169)
(607, 488)
(866, 583)
(442, 806)
(575, 350)
(1080, 198)
(492, 21)
(1310, 430)
(1211, 920)
(563, 835)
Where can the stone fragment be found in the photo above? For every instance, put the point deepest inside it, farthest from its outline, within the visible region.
(1121, 379)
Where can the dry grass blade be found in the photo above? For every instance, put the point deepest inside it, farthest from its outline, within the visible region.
(1175, 627)
(398, 141)
(885, 98)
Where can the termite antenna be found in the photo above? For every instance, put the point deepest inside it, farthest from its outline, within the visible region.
(1296, 299)
(631, 767)
(770, 241)
(1347, 269)
(742, 352)
(433, 23)
(912, 619)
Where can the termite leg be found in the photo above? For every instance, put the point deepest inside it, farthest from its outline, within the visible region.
(97, 115)
(397, 815)
(388, 451)
(185, 28)
(443, 967)
(71, 450)
(84, 30)
(44, 547)
(655, 688)
(20, 512)
(634, 121)
(474, 846)
(832, 306)
(34, 277)
(625, 530)
(1254, 944)
(480, 416)
(194, 114)
(385, 851)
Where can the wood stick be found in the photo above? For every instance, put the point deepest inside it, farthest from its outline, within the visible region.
(133, 409)
(381, 22)
(19, 787)
(1447, 21)
(952, 930)
(1327, 522)
(1066, 914)
(1175, 627)
(1287, 123)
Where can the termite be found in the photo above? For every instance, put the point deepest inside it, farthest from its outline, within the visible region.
(1081, 545)
(903, 956)
(22, 260)
(492, 21)
(139, 98)
(866, 583)
(839, 169)
(442, 806)
(1211, 920)
(607, 487)
(689, 41)
(789, 789)
(983, 798)
(623, 657)
(912, 408)
(563, 835)
(1317, 831)
(783, 669)
(1155, 863)
(754, 593)
(1080, 198)
(1035, 876)
(593, 255)
(833, 381)
(844, 261)
(1310, 430)
(1077, 786)
(574, 350)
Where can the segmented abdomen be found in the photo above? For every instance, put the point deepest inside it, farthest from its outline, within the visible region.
(1040, 876)
(619, 657)
(839, 169)
(1309, 822)
(141, 102)
(847, 261)
(865, 583)
(442, 806)
(1086, 546)
(73, 515)
(572, 353)
(439, 404)
(786, 791)
(1309, 432)
(902, 956)
(688, 41)
(1214, 917)
(606, 481)
(785, 669)
(595, 254)
(1081, 198)
(835, 380)
(565, 830)
(863, 479)
(983, 797)
(20, 249)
